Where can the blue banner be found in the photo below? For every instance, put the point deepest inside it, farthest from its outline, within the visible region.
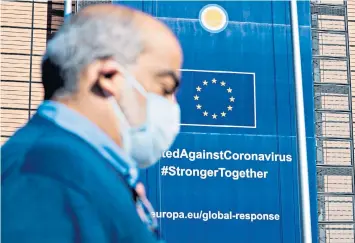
(232, 173)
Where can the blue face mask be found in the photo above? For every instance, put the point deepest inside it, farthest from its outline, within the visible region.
(147, 142)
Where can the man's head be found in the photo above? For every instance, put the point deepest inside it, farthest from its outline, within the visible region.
(109, 53)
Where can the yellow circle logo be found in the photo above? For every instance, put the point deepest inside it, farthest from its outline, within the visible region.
(213, 18)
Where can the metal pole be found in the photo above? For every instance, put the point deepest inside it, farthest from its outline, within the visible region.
(301, 130)
(67, 9)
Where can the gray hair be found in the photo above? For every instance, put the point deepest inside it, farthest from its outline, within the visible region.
(87, 38)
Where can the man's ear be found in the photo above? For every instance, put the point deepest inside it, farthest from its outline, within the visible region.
(110, 77)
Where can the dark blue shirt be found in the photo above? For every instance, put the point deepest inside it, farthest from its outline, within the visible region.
(64, 180)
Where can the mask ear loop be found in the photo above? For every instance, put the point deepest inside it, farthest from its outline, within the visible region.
(137, 86)
(117, 109)
(132, 80)
(129, 81)
(96, 88)
(124, 125)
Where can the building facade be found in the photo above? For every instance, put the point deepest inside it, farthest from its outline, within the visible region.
(26, 26)
(333, 38)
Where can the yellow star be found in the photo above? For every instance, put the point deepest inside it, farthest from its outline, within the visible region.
(223, 114)
(205, 82)
(231, 99)
(229, 108)
(223, 83)
(205, 113)
(198, 107)
(196, 97)
(229, 90)
(214, 81)
(198, 88)
(214, 116)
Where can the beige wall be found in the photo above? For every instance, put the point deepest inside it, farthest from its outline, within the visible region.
(16, 50)
(336, 153)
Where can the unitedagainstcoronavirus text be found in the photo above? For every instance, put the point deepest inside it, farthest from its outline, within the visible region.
(226, 155)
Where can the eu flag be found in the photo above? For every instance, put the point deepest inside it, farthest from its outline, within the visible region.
(217, 99)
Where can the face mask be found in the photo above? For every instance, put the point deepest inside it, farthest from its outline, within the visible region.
(146, 143)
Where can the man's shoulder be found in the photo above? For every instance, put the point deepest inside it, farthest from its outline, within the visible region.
(38, 132)
(34, 137)
(45, 149)
(65, 157)
(60, 144)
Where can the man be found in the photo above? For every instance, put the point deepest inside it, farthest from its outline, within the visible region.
(109, 76)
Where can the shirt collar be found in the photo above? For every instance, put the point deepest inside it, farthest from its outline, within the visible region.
(79, 125)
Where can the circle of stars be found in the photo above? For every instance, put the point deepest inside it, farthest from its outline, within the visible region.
(205, 112)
